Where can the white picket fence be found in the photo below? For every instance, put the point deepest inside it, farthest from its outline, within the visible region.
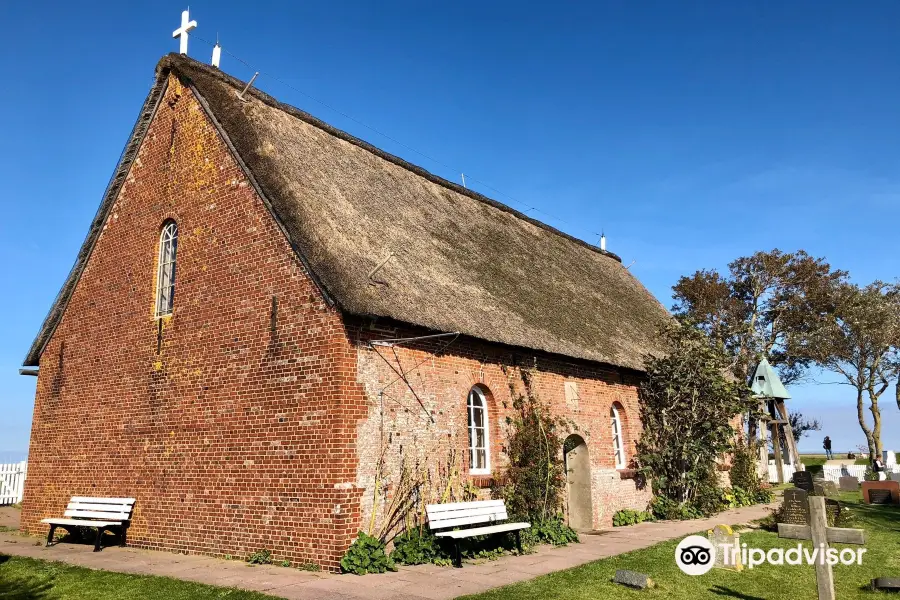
(835, 472)
(12, 482)
(786, 468)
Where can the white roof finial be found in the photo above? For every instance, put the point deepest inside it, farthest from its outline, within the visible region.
(182, 32)
(217, 55)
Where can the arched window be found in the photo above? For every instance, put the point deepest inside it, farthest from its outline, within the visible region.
(165, 277)
(617, 439)
(479, 444)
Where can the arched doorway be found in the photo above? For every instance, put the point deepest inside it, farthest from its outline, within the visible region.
(578, 483)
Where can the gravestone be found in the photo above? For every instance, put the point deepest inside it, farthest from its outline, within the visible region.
(724, 540)
(879, 496)
(803, 480)
(818, 489)
(633, 579)
(830, 488)
(874, 492)
(795, 507)
(888, 584)
(849, 484)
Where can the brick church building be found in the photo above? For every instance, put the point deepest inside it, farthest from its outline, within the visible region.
(273, 328)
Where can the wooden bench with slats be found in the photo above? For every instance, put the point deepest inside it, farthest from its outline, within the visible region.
(103, 514)
(457, 515)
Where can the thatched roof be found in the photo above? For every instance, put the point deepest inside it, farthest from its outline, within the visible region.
(459, 261)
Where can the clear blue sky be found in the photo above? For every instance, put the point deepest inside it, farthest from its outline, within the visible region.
(691, 132)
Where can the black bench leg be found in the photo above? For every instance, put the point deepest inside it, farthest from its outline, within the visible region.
(458, 555)
(124, 535)
(518, 541)
(99, 539)
(50, 535)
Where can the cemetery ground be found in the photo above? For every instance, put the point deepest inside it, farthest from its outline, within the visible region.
(594, 580)
(24, 578)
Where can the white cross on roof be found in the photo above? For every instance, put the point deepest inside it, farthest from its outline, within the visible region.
(182, 32)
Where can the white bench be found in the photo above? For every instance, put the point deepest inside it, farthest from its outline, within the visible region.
(462, 514)
(100, 513)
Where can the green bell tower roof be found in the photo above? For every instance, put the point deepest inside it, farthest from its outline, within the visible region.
(766, 383)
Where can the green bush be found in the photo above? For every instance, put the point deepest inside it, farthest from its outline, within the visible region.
(744, 464)
(763, 496)
(260, 557)
(663, 507)
(552, 530)
(416, 546)
(535, 479)
(626, 516)
(366, 555)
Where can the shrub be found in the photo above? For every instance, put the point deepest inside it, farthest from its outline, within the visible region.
(310, 566)
(665, 508)
(260, 557)
(416, 546)
(683, 437)
(535, 477)
(366, 555)
(626, 516)
(744, 465)
(550, 531)
(763, 496)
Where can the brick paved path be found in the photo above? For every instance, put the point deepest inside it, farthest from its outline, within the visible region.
(410, 583)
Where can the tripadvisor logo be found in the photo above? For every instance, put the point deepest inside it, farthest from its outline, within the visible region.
(696, 555)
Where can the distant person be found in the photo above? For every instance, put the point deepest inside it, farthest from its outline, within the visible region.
(827, 445)
(878, 468)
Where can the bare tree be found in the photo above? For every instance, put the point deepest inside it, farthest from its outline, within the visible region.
(801, 426)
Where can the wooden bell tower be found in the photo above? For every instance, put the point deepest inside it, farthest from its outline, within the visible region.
(767, 387)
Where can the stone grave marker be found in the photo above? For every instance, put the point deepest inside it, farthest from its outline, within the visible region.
(830, 488)
(880, 497)
(849, 484)
(803, 480)
(888, 584)
(881, 492)
(725, 541)
(795, 507)
(633, 579)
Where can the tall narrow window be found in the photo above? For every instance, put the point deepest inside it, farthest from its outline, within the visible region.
(165, 277)
(479, 445)
(618, 445)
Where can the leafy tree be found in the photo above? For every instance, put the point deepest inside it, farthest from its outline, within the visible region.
(688, 401)
(800, 426)
(858, 339)
(760, 308)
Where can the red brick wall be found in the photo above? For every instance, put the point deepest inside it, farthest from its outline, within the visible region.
(424, 416)
(227, 424)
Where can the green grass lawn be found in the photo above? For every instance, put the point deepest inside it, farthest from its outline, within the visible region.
(591, 581)
(31, 579)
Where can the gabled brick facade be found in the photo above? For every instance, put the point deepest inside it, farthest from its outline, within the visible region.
(257, 415)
